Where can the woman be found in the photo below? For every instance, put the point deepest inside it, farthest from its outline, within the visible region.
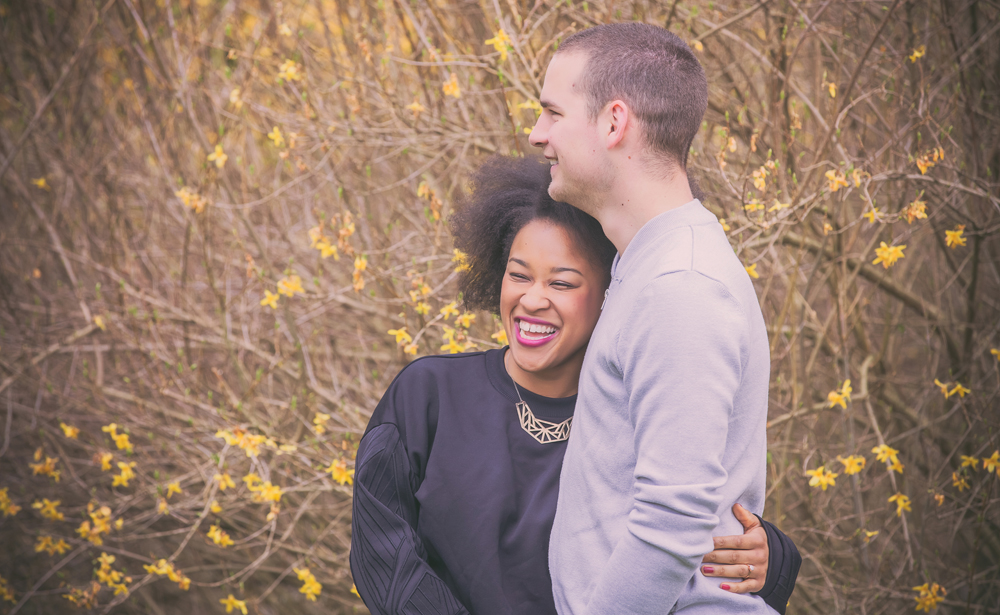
(457, 474)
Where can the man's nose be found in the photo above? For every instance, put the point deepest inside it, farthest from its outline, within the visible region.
(538, 136)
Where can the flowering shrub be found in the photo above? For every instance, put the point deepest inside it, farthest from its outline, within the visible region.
(225, 228)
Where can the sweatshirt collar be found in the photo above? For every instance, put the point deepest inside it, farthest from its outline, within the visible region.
(650, 235)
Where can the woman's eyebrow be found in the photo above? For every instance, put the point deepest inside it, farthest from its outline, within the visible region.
(562, 269)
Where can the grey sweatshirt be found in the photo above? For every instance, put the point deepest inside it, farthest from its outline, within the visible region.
(669, 428)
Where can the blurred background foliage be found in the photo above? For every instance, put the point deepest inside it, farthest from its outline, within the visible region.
(223, 229)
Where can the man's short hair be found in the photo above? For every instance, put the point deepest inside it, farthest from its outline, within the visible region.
(654, 72)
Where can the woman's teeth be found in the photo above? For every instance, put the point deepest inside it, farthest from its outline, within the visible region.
(540, 331)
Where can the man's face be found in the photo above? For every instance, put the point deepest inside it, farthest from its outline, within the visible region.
(569, 140)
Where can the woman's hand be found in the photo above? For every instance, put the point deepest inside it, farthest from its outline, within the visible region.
(744, 557)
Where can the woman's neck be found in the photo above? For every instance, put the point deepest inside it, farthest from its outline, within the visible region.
(560, 382)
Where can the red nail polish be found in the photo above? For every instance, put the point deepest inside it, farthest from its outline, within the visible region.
(708, 569)
(725, 586)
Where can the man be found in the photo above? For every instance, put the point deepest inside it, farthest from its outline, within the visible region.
(669, 427)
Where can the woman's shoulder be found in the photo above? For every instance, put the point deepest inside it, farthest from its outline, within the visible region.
(443, 368)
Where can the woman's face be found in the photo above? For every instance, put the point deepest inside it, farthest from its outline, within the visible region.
(550, 301)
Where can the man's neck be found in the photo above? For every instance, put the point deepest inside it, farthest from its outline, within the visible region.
(636, 201)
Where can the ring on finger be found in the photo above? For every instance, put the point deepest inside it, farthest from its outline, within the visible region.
(750, 570)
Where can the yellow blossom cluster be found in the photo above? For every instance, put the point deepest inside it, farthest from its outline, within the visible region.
(930, 595)
(114, 579)
(70, 432)
(319, 422)
(954, 238)
(105, 460)
(852, 463)
(232, 603)
(263, 491)
(821, 477)
(191, 199)
(319, 240)
(452, 337)
(5, 592)
(225, 481)
(339, 472)
(357, 281)
(219, 536)
(889, 456)
(902, 503)
(917, 210)
(404, 339)
(219, 157)
(836, 179)
(930, 159)
(501, 337)
(47, 467)
(7, 506)
(888, 255)
(100, 523)
(85, 599)
(48, 509)
(752, 270)
(916, 55)
(310, 586)
(433, 208)
(164, 568)
(126, 473)
(51, 546)
(842, 396)
(121, 439)
(500, 42)
(451, 88)
(462, 259)
(250, 443)
(947, 390)
(290, 70)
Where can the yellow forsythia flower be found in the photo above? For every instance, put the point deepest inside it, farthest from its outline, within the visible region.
(888, 255)
(916, 55)
(311, 587)
(450, 87)
(837, 180)
(319, 421)
(402, 337)
(7, 507)
(852, 464)
(219, 537)
(500, 42)
(842, 396)
(219, 157)
(172, 488)
(449, 310)
(959, 481)
(959, 390)
(275, 136)
(416, 107)
(929, 598)
(902, 504)
(290, 70)
(71, 432)
(992, 463)
(339, 472)
(232, 603)
(917, 210)
(225, 481)
(822, 478)
(872, 215)
(501, 337)
(954, 238)
(270, 299)
(752, 271)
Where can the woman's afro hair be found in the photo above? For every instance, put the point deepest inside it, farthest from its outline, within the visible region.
(507, 194)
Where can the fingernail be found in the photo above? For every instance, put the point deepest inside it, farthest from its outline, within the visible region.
(708, 569)
(725, 586)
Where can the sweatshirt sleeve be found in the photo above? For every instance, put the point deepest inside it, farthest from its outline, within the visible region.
(681, 357)
(782, 568)
(388, 561)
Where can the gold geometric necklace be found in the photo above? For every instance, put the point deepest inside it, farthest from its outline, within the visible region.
(545, 432)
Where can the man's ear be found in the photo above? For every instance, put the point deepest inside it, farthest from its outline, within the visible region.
(618, 120)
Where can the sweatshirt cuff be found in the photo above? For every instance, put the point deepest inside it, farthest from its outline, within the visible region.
(782, 569)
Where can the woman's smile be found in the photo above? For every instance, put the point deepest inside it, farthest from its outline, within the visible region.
(533, 332)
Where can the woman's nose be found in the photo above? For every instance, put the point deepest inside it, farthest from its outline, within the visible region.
(534, 299)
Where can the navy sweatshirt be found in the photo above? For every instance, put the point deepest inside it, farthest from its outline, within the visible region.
(454, 502)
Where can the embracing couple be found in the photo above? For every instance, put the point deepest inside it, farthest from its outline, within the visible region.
(586, 467)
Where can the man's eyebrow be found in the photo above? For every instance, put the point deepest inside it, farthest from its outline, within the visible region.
(547, 104)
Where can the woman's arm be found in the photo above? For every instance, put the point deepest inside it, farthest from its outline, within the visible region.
(388, 560)
(773, 556)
